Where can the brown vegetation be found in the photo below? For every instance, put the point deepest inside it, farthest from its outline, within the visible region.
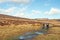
(11, 26)
(14, 26)
(53, 34)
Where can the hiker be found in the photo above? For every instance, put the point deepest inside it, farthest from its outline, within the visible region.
(47, 26)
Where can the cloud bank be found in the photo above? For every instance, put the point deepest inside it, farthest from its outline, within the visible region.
(53, 11)
(16, 1)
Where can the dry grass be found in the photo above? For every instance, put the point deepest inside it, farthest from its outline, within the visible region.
(55, 30)
(14, 26)
(53, 34)
(8, 31)
(48, 37)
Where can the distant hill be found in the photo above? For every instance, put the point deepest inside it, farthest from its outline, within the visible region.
(7, 19)
(57, 19)
(8, 16)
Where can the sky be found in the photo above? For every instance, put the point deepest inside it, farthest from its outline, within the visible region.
(31, 8)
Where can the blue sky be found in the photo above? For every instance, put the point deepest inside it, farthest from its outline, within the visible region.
(31, 8)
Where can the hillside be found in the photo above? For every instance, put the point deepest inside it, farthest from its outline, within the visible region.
(11, 27)
(6, 19)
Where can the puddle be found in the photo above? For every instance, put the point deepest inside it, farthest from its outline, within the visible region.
(29, 35)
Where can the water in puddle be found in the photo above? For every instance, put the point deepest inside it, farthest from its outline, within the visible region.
(29, 35)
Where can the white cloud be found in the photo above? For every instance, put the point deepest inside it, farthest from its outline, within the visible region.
(16, 1)
(7, 11)
(10, 10)
(14, 11)
(21, 12)
(53, 11)
(22, 1)
(36, 11)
